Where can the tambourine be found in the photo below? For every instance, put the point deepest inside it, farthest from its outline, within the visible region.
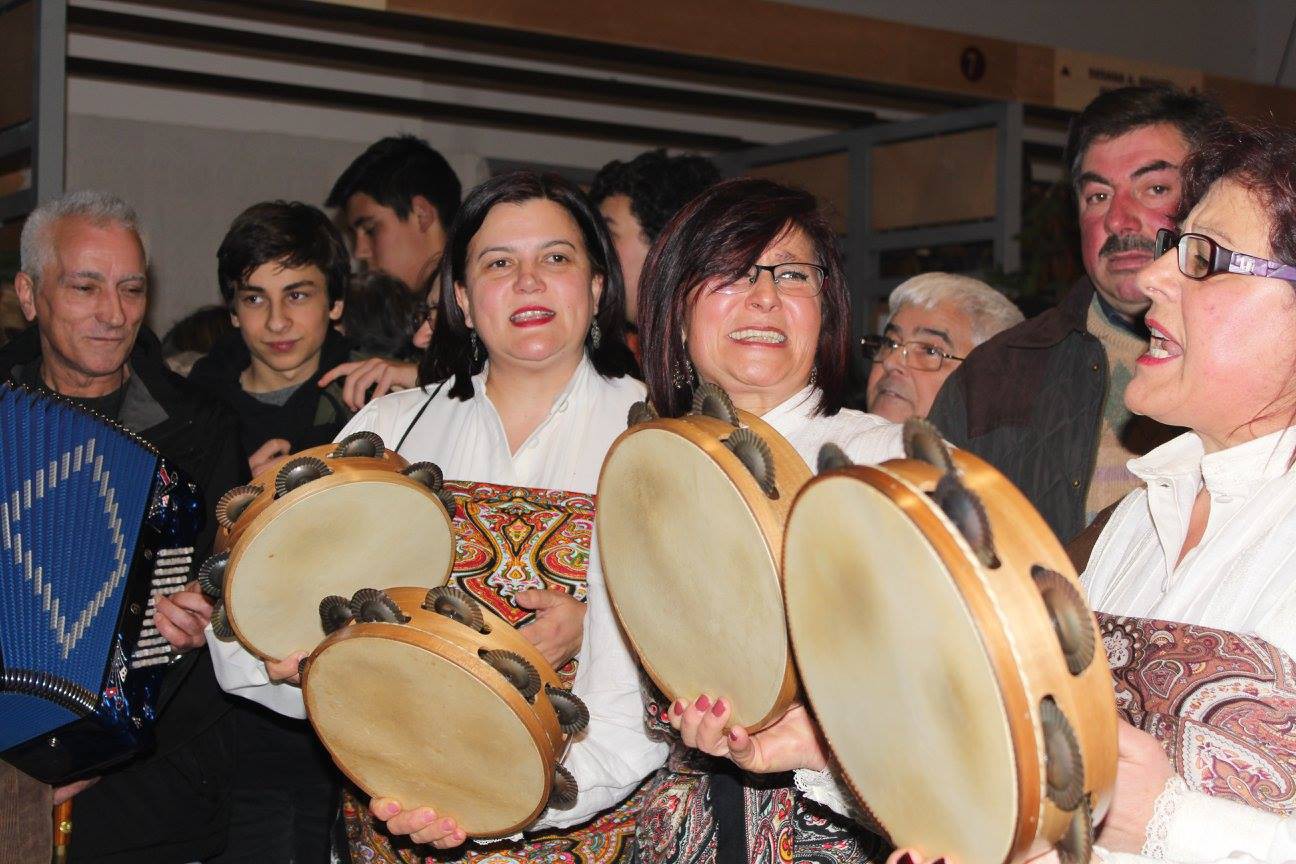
(427, 697)
(948, 653)
(328, 520)
(690, 527)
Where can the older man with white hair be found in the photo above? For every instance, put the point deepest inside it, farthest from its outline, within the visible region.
(83, 287)
(935, 320)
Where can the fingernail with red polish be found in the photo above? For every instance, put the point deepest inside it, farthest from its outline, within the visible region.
(718, 708)
(939, 861)
(906, 858)
(677, 708)
(392, 808)
(703, 703)
(447, 825)
(733, 736)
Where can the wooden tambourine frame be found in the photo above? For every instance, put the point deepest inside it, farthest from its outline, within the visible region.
(413, 712)
(896, 762)
(657, 583)
(342, 538)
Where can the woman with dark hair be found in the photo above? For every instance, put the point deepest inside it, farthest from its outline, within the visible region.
(745, 289)
(1194, 575)
(525, 388)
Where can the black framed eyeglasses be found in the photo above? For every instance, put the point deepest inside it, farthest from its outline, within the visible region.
(792, 279)
(923, 356)
(1200, 257)
(422, 312)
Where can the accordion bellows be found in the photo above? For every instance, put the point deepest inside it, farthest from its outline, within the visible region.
(92, 524)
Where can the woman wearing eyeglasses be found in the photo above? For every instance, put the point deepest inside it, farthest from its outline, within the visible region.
(1194, 575)
(745, 289)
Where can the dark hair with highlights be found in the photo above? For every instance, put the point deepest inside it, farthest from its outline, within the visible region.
(1125, 109)
(1259, 157)
(288, 233)
(450, 353)
(722, 233)
(656, 184)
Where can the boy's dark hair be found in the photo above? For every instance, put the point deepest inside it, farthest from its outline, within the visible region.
(378, 318)
(285, 232)
(1125, 109)
(450, 356)
(656, 184)
(392, 171)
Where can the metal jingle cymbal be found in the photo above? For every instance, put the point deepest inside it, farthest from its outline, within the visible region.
(335, 613)
(1072, 620)
(427, 473)
(372, 605)
(712, 401)
(362, 443)
(211, 575)
(564, 791)
(519, 672)
(922, 441)
(755, 455)
(298, 472)
(573, 716)
(232, 504)
(1064, 767)
(454, 603)
(968, 514)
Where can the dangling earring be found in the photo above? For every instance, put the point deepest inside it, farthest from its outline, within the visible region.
(476, 348)
(594, 335)
(682, 374)
(814, 376)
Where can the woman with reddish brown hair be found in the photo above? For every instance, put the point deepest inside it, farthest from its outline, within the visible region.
(1194, 576)
(745, 289)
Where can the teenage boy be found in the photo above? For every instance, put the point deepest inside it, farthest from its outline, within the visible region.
(282, 269)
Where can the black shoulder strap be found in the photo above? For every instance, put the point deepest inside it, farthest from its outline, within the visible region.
(417, 417)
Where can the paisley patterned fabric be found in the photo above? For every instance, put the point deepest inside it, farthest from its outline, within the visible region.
(1222, 704)
(510, 539)
(677, 824)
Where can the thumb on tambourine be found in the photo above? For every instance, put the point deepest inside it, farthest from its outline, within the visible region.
(743, 750)
(538, 598)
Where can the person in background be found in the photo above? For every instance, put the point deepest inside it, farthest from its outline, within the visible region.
(83, 285)
(397, 199)
(936, 320)
(282, 269)
(380, 318)
(638, 198)
(190, 338)
(1044, 401)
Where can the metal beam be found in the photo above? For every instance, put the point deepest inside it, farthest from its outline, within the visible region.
(425, 109)
(141, 28)
(50, 116)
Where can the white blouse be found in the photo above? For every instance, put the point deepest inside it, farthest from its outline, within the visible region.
(866, 438)
(466, 439)
(1239, 578)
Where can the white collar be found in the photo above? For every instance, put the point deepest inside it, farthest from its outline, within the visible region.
(579, 377)
(1236, 470)
(797, 408)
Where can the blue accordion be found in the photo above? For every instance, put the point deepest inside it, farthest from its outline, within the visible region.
(93, 526)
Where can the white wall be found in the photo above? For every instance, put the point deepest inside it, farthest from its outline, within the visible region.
(191, 161)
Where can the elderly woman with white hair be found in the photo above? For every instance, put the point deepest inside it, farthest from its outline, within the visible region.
(935, 320)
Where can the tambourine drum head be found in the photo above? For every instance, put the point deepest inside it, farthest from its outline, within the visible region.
(896, 673)
(339, 537)
(691, 576)
(406, 723)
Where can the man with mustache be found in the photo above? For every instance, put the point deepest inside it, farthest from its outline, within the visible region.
(936, 319)
(1044, 401)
